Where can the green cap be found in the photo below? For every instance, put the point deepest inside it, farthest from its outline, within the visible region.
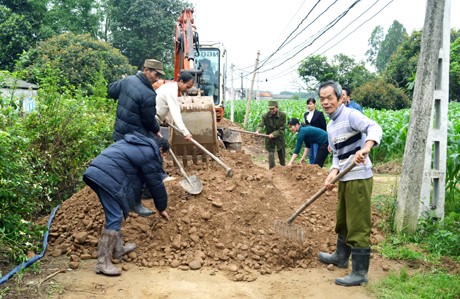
(272, 104)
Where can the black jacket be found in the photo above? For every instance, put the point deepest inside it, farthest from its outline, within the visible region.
(318, 120)
(136, 106)
(123, 167)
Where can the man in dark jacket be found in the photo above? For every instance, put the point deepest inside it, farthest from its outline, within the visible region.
(117, 175)
(275, 122)
(136, 108)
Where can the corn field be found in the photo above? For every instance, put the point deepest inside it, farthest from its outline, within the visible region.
(394, 125)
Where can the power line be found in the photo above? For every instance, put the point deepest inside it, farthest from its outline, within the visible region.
(318, 34)
(352, 31)
(284, 72)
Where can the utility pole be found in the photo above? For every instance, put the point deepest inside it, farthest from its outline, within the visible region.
(422, 186)
(242, 91)
(248, 106)
(232, 96)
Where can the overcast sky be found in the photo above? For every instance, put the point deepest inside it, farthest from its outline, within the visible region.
(248, 26)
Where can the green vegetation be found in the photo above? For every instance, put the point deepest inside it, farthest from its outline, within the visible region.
(44, 154)
(78, 61)
(432, 285)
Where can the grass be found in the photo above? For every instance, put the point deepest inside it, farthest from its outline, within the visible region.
(426, 250)
(402, 285)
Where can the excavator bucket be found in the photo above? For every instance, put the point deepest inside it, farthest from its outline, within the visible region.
(199, 116)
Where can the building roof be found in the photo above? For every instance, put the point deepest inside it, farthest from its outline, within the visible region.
(10, 82)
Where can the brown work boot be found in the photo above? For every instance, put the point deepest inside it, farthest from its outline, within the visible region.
(120, 249)
(105, 250)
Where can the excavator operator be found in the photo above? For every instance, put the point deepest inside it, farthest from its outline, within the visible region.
(207, 78)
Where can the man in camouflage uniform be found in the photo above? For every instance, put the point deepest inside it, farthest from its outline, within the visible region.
(274, 122)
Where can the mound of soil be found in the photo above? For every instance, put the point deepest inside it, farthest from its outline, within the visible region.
(228, 227)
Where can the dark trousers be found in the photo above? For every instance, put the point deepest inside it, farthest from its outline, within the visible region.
(321, 155)
(281, 157)
(112, 210)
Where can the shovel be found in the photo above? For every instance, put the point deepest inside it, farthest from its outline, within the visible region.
(191, 184)
(286, 229)
(227, 169)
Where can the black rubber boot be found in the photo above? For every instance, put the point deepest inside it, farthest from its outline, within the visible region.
(105, 249)
(341, 255)
(360, 258)
(122, 249)
(141, 210)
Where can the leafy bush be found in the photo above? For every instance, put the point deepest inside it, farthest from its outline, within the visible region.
(78, 59)
(379, 94)
(18, 189)
(44, 154)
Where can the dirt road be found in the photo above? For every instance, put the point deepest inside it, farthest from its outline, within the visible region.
(139, 282)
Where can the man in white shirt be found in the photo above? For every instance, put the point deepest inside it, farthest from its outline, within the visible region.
(167, 104)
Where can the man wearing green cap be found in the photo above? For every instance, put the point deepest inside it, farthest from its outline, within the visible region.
(274, 122)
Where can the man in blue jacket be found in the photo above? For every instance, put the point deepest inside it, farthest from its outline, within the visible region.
(136, 108)
(117, 176)
(347, 100)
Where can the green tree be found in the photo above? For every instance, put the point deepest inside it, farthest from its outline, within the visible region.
(316, 68)
(402, 66)
(394, 37)
(79, 59)
(144, 29)
(379, 94)
(374, 43)
(76, 16)
(343, 69)
(403, 63)
(349, 72)
(15, 36)
(33, 11)
(454, 76)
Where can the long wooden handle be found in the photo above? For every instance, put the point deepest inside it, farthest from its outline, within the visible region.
(320, 192)
(249, 132)
(181, 169)
(227, 169)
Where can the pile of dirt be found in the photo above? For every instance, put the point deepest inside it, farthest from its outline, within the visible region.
(228, 227)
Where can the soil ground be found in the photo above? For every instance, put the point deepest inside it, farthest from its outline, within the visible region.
(222, 243)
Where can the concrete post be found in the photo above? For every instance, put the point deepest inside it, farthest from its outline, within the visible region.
(424, 133)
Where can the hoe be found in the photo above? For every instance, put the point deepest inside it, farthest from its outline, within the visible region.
(295, 233)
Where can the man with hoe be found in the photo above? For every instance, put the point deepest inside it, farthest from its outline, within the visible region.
(274, 122)
(351, 136)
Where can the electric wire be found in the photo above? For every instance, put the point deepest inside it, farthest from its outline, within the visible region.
(318, 35)
(284, 72)
(352, 31)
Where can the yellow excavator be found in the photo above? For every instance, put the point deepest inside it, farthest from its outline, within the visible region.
(203, 111)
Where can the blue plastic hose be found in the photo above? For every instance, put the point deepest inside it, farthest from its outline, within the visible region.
(32, 260)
